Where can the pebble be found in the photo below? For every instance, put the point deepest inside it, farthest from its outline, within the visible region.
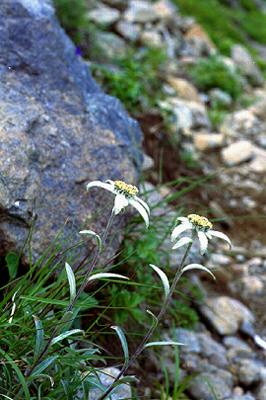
(107, 376)
(238, 152)
(104, 15)
(208, 141)
(226, 314)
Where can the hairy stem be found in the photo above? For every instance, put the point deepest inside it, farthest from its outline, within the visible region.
(150, 332)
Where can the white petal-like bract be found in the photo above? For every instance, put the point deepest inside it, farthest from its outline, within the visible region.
(120, 203)
(144, 204)
(220, 235)
(180, 229)
(182, 242)
(103, 185)
(142, 210)
(203, 242)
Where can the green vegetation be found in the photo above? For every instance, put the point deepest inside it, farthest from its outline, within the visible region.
(72, 15)
(232, 25)
(147, 249)
(134, 79)
(213, 73)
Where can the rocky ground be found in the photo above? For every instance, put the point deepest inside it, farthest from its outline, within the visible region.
(227, 352)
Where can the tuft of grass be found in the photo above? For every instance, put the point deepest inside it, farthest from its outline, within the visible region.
(134, 79)
(226, 25)
(214, 73)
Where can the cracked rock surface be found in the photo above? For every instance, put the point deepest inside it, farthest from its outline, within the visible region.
(58, 130)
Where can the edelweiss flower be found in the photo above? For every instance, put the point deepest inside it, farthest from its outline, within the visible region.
(125, 195)
(199, 225)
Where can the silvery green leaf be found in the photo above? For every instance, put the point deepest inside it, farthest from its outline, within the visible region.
(95, 235)
(103, 275)
(182, 242)
(123, 341)
(39, 336)
(71, 281)
(164, 343)
(164, 279)
(64, 335)
(197, 266)
(44, 364)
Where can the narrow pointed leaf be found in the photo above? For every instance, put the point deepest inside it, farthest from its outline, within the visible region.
(123, 341)
(43, 365)
(197, 266)
(155, 319)
(95, 235)
(71, 281)
(103, 275)
(164, 279)
(164, 343)
(64, 335)
(39, 336)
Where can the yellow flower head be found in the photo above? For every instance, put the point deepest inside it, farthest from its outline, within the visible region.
(200, 222)
(125, 189)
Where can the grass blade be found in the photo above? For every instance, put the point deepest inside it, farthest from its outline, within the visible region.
(65, 335)
(39, 336)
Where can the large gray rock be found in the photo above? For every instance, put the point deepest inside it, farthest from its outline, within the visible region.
(58, 130)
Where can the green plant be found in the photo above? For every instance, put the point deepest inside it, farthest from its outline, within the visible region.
(72, 15)
(214, 73)
(45, 353)
(134, 79)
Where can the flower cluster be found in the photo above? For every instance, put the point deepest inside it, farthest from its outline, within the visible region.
(125, 189)
(199, 226)
(125, 195)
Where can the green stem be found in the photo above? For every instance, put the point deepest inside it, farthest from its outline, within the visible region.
(150, 332)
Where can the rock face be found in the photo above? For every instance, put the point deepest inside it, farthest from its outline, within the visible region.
(58, 130)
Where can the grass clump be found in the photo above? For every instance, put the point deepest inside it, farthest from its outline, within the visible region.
(134, 79)
(213, 73)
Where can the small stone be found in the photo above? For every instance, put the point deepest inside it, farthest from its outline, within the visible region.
(184, 89)
(226, 314)
(236, 343)
(261, 393)
(220, 259)
(252, 285)
(220, 98)
(110, 44)
(107, 376)
(248, 371)
(258, 165)
(203, 386)
(128, 30)
(151, 38)
(238, 152)
(140, 11)
(213, 351)
(104, 15)
(241, 123)
(200, 40)
(207, 141)
(164, 9)
(246, 64)
(148, 162)
(187, 114)
(189, 338)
